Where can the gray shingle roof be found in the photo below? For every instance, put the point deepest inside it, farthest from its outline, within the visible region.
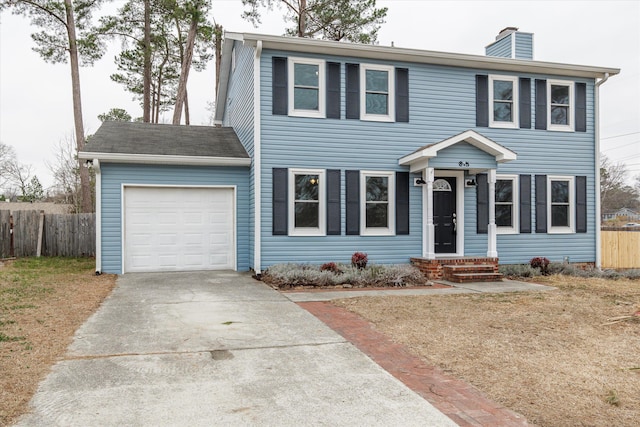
(167, 140)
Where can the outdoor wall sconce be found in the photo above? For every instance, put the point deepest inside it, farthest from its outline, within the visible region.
(470, 182)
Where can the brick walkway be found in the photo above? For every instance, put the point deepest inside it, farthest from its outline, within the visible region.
(458, 400)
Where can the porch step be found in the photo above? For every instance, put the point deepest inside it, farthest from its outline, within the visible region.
(465, 273)
(475, 277)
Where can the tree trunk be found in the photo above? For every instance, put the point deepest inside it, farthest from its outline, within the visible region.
(186, 109)
(85, 188)
(218, 46)
(186, 66)
(146, 77)
(302, 19)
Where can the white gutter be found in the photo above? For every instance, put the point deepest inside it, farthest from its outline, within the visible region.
(597, 137)
(96, 167)
(257, 163)
(165, 159)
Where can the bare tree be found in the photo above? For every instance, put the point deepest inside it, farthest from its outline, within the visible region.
(66, 35)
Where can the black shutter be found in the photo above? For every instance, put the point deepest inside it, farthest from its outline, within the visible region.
(333, 90)
(402, 95)
(482, 100)
(280, 208)
(352, 195)
(353, 91)
(482, 203)
(581, 204)
(525, 203)
(280, 90)
(541, 104)
(525, 103)
(402, 202)
(333, 202)
(541, 203)
(581, 107)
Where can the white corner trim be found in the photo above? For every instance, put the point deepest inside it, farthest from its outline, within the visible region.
(160, 159)
(96, 167)
(257, 163)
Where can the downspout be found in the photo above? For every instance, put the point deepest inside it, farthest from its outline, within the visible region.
(96, 168)
(597, 171)
(257, 163)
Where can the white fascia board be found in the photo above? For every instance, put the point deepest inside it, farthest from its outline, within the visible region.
(424, 56)
(223, 80)
(164, 159)
(502, 154)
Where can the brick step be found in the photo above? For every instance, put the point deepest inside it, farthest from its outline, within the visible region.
(469, 268)
(474, 277)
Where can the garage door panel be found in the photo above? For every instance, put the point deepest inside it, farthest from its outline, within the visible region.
(173, 229)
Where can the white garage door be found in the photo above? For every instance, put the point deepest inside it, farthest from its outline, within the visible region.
(177, 229)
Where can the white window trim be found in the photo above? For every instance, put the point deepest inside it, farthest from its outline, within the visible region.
(515, 110)
(391, 116)
(515, 212)
(572, 205)
(321, 230)
(321, 112)
(378, 231)
(572, 106)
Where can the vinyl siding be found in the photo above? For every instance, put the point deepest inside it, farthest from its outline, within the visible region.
(467, 154)
(500, 48)
(524, 45)
(114, 175)
(442, 104)
(239, 115)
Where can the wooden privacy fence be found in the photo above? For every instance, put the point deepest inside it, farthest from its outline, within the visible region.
(32, 233)
(621, 247)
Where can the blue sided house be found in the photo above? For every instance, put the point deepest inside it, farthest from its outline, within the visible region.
(327, 148)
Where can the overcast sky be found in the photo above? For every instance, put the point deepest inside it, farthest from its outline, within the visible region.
(35, 97)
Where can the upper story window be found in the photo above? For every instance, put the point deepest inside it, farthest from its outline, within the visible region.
(307, 209)
(306, 87)
(560, 204)
(503, 98)
(377, 93)
(506, 204)
(560, 109)
(377, 198)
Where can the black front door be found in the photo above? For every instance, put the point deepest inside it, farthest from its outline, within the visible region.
(444, 214)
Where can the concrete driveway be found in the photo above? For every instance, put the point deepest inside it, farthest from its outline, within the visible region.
(216, 348)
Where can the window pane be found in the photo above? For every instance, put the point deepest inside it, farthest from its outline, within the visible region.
(377, 215)
(305, 75)
(305, 99)
(377, 81)
(376, 103)
(504, 190)
(377, 189)
(504, 215)
(306, 187)
(560, 216)
(559, 115)
(559, 191)
(502, 90)
(502, 112)
(560, 94)
(306, 214)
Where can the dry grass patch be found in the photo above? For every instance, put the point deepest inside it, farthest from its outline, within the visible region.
(566, 357)
(42, 303)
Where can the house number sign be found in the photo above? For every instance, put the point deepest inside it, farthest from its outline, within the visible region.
(463, 164)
